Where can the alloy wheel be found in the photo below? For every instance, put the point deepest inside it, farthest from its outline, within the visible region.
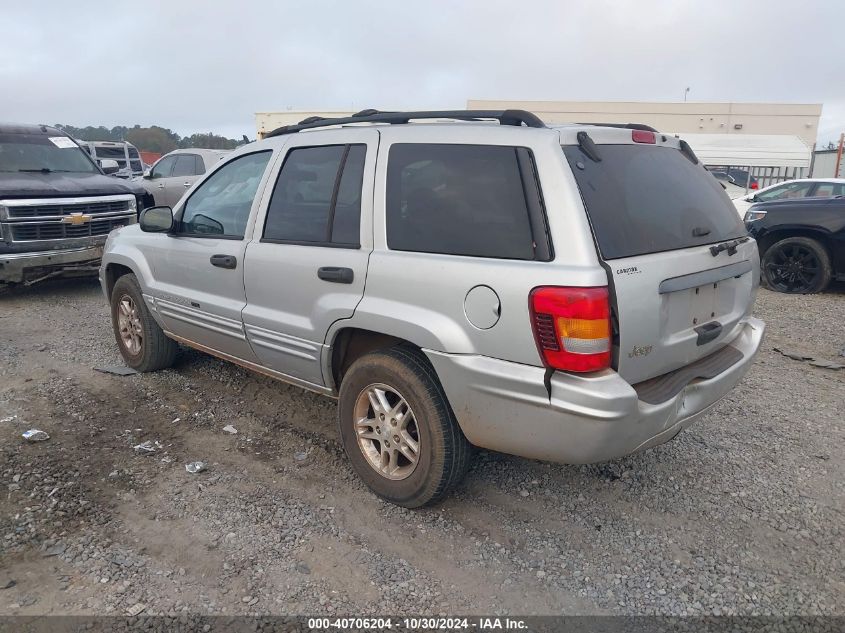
(129, 325)
(387, 431)
(793, 268)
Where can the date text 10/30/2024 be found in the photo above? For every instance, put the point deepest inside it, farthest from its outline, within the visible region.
(421, 623)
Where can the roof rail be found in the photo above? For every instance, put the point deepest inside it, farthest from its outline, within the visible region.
(627, 126)
(504, 117)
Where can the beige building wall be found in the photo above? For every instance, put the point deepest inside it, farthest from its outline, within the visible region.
(797, 119)
(269, 121)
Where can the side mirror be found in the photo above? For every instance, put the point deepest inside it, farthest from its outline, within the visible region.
(148, 174)
(156, 219)
(109, 166)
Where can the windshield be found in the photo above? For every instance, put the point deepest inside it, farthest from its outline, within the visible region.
(644, 199)
(39, 152)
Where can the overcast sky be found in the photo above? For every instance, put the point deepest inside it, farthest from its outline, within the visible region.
(209, 66)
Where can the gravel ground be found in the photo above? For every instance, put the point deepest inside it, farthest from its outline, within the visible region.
(741, 514)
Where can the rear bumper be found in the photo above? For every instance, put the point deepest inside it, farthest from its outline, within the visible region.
(507, 407)
(24, 267)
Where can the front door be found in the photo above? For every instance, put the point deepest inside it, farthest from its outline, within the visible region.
(156, 182)
(186, 169)
(200, 265)
(307, 262)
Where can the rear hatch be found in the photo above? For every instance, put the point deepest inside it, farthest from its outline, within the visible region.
(682, 272)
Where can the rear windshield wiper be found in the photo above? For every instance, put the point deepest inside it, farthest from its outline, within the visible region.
(729, 246)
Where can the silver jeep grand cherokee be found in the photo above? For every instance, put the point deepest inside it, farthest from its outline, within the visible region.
(572, 294)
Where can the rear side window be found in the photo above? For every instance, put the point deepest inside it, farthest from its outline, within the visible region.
(317, 197)
(186, 165)
(458, 200)
(828, 190)
(645, 199)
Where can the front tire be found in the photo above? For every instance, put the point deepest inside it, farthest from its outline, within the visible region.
(141, 341)
(796, 265)
(398, 429)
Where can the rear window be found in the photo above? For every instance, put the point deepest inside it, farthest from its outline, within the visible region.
(110, 152)
(646, 199)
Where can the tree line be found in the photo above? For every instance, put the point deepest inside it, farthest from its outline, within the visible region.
(150, 139)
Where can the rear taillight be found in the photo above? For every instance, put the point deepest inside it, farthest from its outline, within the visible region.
(754, 185)
(643, 136)
(572, 327)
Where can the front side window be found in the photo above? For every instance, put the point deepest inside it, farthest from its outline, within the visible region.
(792, 190)
(221, 205)
(317, 197)
(163, 168)
(457, 200)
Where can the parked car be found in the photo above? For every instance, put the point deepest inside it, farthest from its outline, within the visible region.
(124, 153)
(56, 205)
(525, 289)
(734, 178)
(804, 188)
(728, 184)
(173, 174)
(801, 241)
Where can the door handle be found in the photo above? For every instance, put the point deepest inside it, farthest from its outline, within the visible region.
(224, 261)
(336, 275)
(187, 184)
(161, 185)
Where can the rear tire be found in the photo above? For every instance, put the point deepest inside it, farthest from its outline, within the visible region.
(796, 265)
(141, 341)
(394, 394)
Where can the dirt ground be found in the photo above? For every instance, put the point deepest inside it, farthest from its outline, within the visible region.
(743, 513)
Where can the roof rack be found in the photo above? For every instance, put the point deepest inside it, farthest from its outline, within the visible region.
(504, 117)
(627, 126)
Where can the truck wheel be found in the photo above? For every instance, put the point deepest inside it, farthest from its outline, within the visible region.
(797, 265)
(141, 341)
(398, 428)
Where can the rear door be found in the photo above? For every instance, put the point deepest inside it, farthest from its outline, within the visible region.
(658, 218)
(307, 263)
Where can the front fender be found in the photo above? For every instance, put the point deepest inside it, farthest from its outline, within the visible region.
(123, 248)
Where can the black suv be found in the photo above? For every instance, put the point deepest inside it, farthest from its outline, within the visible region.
(801, 242)
(56, 205)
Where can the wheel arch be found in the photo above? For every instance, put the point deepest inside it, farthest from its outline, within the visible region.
(349, 343)
(112, 273)
(375, 330)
